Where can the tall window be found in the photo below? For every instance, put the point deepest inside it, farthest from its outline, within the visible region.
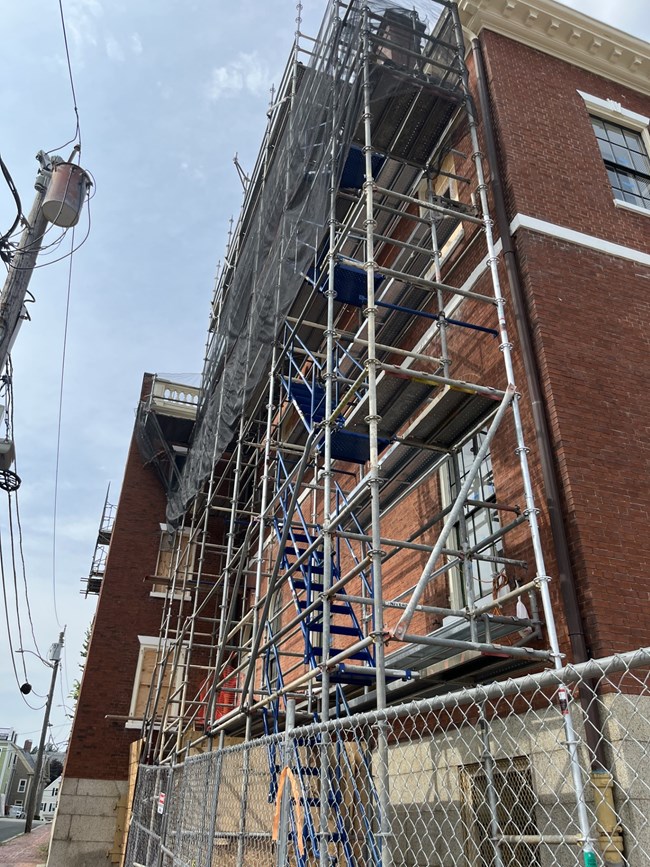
(481, 522)
(174, 550)
(626, 159)
(146, 681)
(22, 785)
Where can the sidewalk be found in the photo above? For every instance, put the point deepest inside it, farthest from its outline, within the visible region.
(26, 850)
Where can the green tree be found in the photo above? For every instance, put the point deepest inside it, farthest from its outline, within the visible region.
(76, 683)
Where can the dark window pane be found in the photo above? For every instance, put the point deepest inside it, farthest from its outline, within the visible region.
(615, 134)
(641, 162)
(633, 200)
(634, 141)
(606, 151)
(628, 183)
(599, 127)
(622, 156)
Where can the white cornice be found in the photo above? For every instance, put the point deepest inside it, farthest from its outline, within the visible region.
(564, 33)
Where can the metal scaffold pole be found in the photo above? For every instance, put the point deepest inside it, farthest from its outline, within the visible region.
(373, 419)
(531, 510)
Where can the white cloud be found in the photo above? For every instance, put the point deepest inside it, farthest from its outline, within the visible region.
(114, 49)
(136, 43)
(80, 21)
(247, 73)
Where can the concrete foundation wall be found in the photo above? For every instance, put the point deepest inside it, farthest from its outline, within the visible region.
(86, 823)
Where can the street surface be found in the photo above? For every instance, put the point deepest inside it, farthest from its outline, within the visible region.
(11, 827)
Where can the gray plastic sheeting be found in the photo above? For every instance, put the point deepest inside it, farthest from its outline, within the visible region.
(279, 233)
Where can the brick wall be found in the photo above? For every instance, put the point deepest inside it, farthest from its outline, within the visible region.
(590, 315)
(99, 748)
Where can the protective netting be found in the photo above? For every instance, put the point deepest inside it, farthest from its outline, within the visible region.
(286, 210)
(473, 778)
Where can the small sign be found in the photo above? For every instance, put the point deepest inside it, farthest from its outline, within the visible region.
(161, 802)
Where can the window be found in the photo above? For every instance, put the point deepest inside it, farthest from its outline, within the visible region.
(445, 186)
(514, 799)
(481, 521)
(22, 785)
(624, 143)
(146, 681)
(18, 803)
(174, 550)
(626, 160)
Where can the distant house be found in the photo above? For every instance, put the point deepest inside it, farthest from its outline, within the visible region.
(7, 761)
(19, 787)
(50, 799)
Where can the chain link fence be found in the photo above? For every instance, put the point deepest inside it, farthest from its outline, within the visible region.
(546, 770)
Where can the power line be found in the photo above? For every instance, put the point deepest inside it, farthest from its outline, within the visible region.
(11, 432)
(61, 258)
(19, 207)
(77, 132)
(9, 638)
(58, 431)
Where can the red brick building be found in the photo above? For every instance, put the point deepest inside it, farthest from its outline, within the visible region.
(90, 820)
(563, 104)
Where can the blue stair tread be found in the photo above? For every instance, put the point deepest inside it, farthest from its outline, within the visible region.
(335, 629)
(364, 653)
(334, 609)
(315, 570)
(353, 447)
(300, 584)
(299, 537)
(310, 401)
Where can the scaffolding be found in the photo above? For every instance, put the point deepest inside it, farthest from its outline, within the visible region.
(344, 547)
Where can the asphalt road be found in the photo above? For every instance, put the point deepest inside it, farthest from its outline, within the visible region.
(11, 827)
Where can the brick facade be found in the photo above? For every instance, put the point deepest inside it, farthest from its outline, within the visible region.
(99, 747)
(589, 316)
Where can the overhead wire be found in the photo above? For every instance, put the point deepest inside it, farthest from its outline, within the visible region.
(9, 636)
(58, 432)
(67, 255)
(19, 207)
(10, 401)
(77, 132)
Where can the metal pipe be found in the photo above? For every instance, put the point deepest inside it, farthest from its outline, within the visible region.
(552, 486)
(489, 766)
(374, 480)
(422, 282)
(488, 648)
(429, 570)
(531, 511)
(428, 205)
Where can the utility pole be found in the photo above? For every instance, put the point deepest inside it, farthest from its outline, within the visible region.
(55, 657)
(22, 264)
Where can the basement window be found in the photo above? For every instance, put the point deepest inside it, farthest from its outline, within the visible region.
(510, 806)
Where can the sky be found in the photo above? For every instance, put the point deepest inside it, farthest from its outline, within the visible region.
(167, 91)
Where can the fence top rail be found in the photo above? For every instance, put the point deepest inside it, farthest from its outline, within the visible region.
(592, 670)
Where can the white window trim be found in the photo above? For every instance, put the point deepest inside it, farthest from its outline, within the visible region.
(609, 109)
(22, 786)
(178, 594)
(147, 642)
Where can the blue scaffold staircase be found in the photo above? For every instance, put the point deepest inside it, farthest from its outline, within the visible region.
(352, 800)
